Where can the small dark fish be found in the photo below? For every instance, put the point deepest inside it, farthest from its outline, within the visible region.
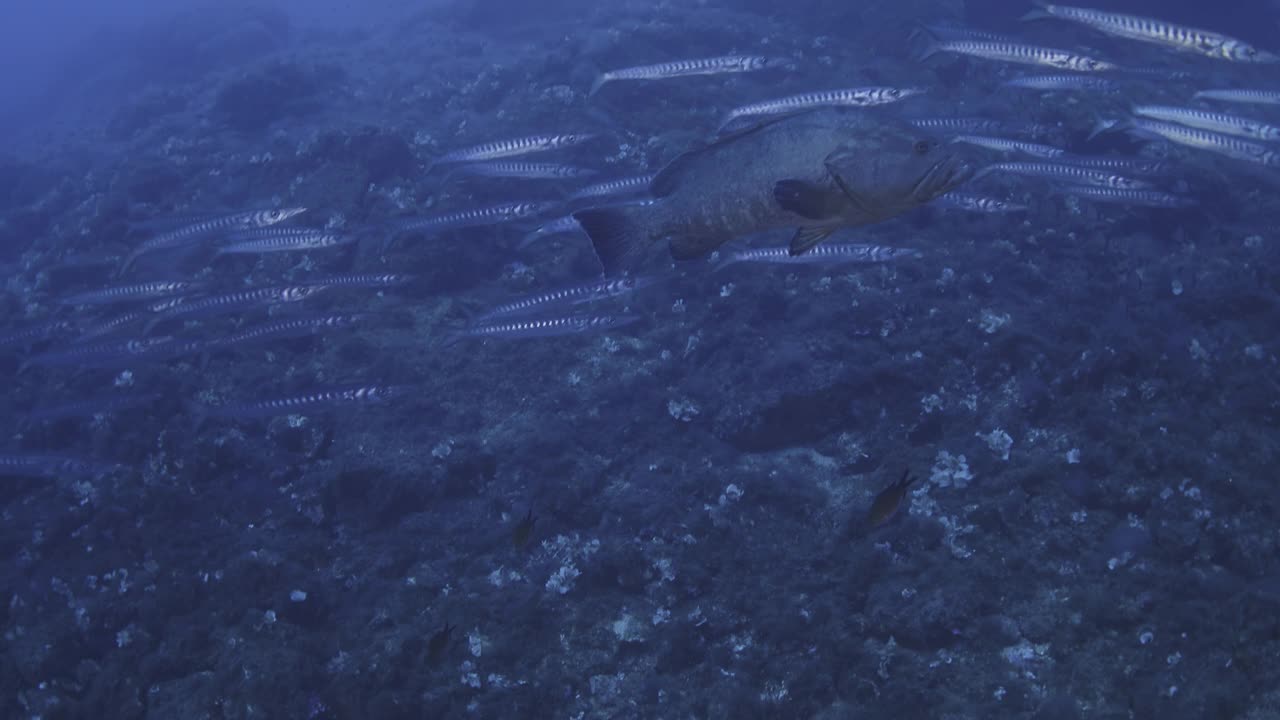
(886, 504)
(523, 531)
(439, 643)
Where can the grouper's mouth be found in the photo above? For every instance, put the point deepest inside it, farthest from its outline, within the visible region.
(942, 177)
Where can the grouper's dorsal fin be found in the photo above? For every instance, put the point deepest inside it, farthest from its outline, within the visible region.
(668, 178)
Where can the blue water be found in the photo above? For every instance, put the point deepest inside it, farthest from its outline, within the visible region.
(623, 503)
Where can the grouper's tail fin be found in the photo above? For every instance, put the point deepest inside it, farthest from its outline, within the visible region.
(619, 235)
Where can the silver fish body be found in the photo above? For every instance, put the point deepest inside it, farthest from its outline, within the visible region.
(131, 293)
(52, 466)
(543, 327)
(490, 215)
(824, 254)
(1245, 95)
(609, 188)
(1224, 145)
(524, 170)
(1054, 83)
(300, 242)
(1151, 30)
(1011, 146)
(318, 399)
(1019, 53)
(560, 226)
(291, 328)
(1067, 173)
(230, 302)
(685, 68)
(205, 229)
(514, 147)
(848, 97)
(1211, 121)
(1145, 198)
(571, 295)
(977, 203)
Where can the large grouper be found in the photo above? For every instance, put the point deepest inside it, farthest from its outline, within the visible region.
(817, 171)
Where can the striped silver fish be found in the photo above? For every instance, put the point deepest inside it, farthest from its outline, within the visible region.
(977, 203)
(621, 186)
(1063, 82)
(524, 170)
(197, 232)
(1245, 95)
(955, 32)
(114, 354)
(1018, 53)
(1211, 121)
(318, 399)
(359, 280)
(560, 226)
(230, 302)
(52, 466)
(1224, 145)
(513, 147)
(36, 333)
(1066, 173)
(1007, 146)
(299, 242)
(824, 254)
(571, 295)
(1119, 163)
(1158, 32)
(90, 407)
(113, 325)
(685, 68)
(130, 293)
(292, 328)
(490, 215)
(849, 97)
(1146, 198)
(979, 126)
(543, 327)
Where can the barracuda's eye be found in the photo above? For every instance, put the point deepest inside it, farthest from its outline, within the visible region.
(922, 147)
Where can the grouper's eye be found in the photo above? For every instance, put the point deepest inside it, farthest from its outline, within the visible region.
(922, 147)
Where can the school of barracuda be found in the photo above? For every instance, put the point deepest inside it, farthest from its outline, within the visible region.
(132, 319)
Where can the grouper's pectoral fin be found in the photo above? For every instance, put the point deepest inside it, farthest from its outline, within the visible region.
(854, 199)
(807, 237)
(806, 199)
